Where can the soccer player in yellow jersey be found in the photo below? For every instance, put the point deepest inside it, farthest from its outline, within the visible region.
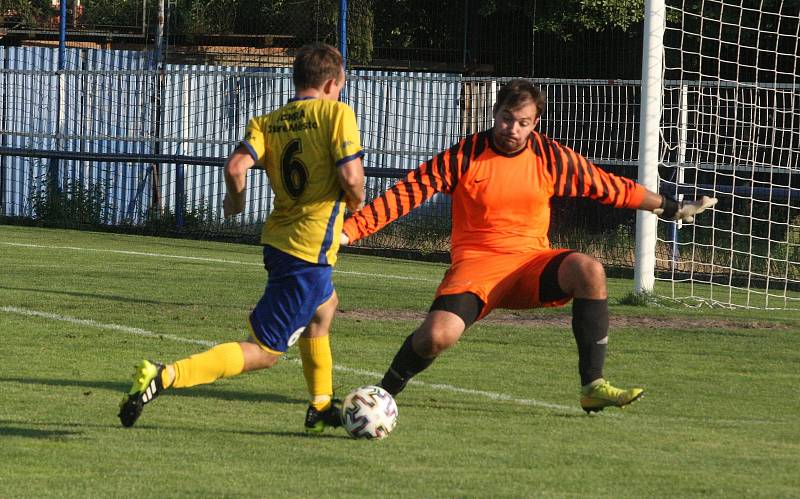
(311, 151)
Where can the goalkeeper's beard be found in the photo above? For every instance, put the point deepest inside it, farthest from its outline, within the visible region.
(508, 143)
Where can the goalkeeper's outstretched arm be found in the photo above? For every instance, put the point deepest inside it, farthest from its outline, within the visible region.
(588, 180)
(670, 209)
(439, 174)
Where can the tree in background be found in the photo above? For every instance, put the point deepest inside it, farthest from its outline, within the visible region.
(419, 24)
(519, 37)
(494, 35)
(20, 14)
(302, 20)
(568, 17)
(112, 15)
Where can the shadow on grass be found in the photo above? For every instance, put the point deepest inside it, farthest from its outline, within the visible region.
(97, 296)
(499, 408)
(12, 431)
(339, 434)
(200, 392)
(16, 428)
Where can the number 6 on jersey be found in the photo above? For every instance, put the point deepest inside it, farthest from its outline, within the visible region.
(293, 171)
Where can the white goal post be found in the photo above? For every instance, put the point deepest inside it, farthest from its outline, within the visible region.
(650, 117)
(720, 116)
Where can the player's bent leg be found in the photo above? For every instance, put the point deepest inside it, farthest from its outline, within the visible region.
(583, 277)
(600, 394)
(256, 357)
(406, 364)
(590, 328)
(323, 410)
(447, 320)
(315, 352)
(221, 361)
(440, 331)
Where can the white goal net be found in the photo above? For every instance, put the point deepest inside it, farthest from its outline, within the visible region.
(730, 128)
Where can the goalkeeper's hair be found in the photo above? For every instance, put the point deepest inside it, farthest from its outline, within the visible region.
(314, 64)
(519, 92)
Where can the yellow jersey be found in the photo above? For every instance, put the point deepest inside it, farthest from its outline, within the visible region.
(301, 145)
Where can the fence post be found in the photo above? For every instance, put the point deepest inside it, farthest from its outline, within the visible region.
(683, 132)
(343, 30)
(156, 111)
(464, 58)
(62, 36)
(649, 122)
(3, 126)
(180, 173)
(344, 96)
(54, 167)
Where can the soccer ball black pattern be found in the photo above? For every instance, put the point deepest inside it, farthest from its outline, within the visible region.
(369, 412)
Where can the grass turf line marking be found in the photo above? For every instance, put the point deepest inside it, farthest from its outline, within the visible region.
(202, 259)
(100, 325)
(150, 334)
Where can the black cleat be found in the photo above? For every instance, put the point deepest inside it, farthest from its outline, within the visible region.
(317, 421)
(146, 386)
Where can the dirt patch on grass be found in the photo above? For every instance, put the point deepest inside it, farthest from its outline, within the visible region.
(549, 320)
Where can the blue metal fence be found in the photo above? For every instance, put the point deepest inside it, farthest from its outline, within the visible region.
(110, 102)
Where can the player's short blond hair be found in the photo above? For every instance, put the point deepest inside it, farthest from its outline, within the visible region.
(519, 92)
(314, 64)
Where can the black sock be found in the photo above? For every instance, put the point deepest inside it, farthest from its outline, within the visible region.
(590, 327)
(405, 365)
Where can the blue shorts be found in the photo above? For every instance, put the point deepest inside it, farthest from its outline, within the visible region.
(295, 288)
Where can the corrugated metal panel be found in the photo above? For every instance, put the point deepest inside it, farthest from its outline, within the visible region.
(95, 112)
(30, 93)
(114, 107)
(405, 118)
(206, 109)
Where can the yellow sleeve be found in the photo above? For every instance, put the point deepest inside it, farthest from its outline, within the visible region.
(255, 141)
(345, 141)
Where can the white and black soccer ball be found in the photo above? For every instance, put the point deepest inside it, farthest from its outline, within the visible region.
(369, 412)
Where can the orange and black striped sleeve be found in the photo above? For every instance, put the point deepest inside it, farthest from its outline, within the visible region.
(575, 176)
(438, 174)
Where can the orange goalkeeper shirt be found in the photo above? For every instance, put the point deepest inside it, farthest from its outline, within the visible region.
(500, 202)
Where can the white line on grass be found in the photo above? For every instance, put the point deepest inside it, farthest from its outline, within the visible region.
(100, 325)
(150, 334)
(201, 259)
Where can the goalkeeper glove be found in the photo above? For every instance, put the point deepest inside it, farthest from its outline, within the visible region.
(683, 211)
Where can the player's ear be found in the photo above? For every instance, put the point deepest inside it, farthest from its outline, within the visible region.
(329, 86)
(536, 122)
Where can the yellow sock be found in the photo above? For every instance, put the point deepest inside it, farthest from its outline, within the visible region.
(221, 361)
(166, 377)
(318, 369)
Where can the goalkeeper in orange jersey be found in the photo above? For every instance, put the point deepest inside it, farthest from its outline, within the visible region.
(311, 151)
(501, 181)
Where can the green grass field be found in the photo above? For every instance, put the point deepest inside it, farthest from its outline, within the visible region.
(496, 416)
